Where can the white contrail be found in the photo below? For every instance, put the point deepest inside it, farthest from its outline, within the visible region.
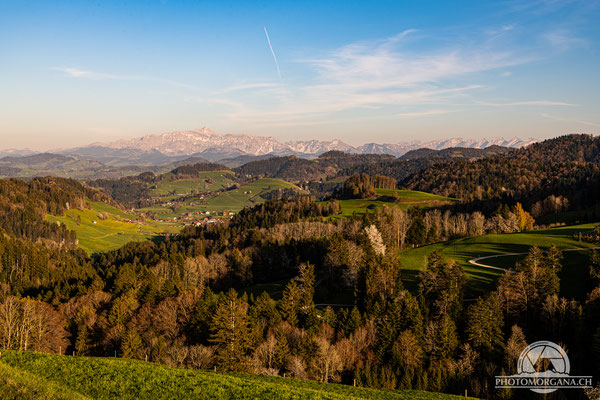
(272, 52)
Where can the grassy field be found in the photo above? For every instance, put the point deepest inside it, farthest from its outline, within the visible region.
(231, 200)
(246, 195)
(208, 182)
(403, 199)
(112, 232)
(21, 385)
(480, 279)
(63, 377)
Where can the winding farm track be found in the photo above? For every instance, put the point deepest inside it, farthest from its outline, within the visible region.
(475, 261)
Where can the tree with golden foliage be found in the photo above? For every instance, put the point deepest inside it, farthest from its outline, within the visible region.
(524, 219)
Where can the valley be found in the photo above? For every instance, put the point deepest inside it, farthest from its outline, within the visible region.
(288, 200)
(183, 203)
(329, 267)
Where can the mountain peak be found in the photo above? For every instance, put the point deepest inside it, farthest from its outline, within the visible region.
(206, 143)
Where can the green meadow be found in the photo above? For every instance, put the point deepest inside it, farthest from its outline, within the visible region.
(208, 182)
(26, 375)
(403, 199)
(246, 195)
(480, 279)
(96, 233)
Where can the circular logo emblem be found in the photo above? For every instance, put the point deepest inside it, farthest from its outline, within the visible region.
(543, 360)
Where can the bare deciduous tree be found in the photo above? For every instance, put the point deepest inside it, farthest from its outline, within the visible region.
(375, 238)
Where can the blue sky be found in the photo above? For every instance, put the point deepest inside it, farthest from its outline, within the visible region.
(75, 72)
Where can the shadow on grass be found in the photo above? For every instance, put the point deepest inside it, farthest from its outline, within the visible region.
(564, 232)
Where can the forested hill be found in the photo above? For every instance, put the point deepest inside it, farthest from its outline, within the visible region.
(566, 166)
(192, 171)
(337, 163)
(295, 169)
(417, 160)
(456, 152)
(134, 191)
(39, 258)
(567, 148)
(24, 204)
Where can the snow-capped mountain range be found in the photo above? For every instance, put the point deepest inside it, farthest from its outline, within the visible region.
(208, 144)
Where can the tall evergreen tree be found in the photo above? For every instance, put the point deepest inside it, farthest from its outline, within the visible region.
(306, 286)
(595, 266)
(484, 325)
(83, 343)
(231, 333)
(290, 303)
(131, 345)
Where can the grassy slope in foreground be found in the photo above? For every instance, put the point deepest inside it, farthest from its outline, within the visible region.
(110, 233)
(110, 378)
(21, 385)
(480, 279)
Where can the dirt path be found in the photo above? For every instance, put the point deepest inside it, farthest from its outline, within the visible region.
(475, 261)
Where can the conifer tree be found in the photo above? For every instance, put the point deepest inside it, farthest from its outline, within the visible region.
(282, 350)
(290, 303)
(263, 312)
(484, 325)
(83, 342)
(306, 285)
(329, 316)
(595, 266)
(131, 346)
(231, 333)
(553, 259)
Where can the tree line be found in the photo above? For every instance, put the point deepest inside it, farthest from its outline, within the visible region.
(390, 338)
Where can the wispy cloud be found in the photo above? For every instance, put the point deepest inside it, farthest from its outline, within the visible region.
(563, 39)
(249, 86)
(93, 75)
(79, 73)
(376, 74)
(570, 120)
(383, 65)
(301, 121)
(540, 7)
(528, 103)
(424, 113)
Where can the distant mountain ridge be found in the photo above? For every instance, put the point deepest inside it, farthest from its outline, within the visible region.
(160, 152)
(16, 152)
(214, 146)
(401, 148)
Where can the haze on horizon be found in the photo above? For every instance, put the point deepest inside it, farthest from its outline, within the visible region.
(73, 73)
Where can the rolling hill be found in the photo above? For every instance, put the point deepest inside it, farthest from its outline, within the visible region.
(232, 200)
(455, 152)
(208, 182)
(78, 167)
(481, 280)
(102, 227)
(37, 375)
(403, 199)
